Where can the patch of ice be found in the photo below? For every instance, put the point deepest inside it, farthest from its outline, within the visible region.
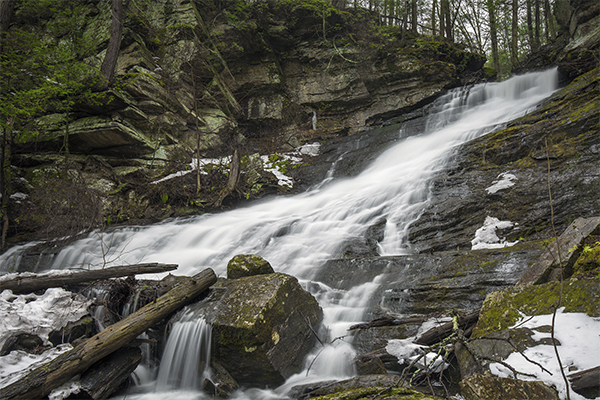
(39, 315)
(64, 391)
(579, 349)
(504, 181)
(486, 238)
(18, 363)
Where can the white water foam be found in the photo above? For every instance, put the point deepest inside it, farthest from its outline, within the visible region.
(298, 234)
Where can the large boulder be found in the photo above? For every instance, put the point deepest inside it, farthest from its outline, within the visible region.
(262, 327)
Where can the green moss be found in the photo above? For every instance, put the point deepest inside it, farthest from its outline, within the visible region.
(502, 309)
(381, 393)
(588, 261)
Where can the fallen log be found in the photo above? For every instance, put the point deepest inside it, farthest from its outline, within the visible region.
(43, 379)
(105, 377)
(28, 282)
(586, 380)
(387, 320)
(439, 333)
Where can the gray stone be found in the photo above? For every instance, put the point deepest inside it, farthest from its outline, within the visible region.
(565, 249)
(262, 327)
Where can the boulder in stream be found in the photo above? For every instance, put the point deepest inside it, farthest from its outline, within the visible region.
(262, 327)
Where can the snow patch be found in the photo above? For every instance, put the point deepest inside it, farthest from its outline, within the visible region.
(193, 166)
(276, 165)
(486, 238)
(406, 351)
(39, 315)
(504, 181)
(64, 391)
(579, 350)
(18, 363)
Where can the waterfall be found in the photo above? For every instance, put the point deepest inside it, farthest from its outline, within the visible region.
(186, 359)
(298, 234)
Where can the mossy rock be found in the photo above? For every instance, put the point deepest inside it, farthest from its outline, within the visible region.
(381, 386)
(479, 387)
(588, 263)
(502, 309)
(381, 393)
(244, 265)
(262, 327)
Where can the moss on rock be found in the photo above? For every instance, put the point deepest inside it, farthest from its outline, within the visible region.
(502, 309)
(244, 265)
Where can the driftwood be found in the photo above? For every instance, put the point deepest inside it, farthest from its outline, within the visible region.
(588, 379)
(47, 377)
(387, 320)
(27, 283)
(437, 334)
(104, 377)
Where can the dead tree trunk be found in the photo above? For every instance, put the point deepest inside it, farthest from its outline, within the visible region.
(47, 377)
(28, 283)
(437, 334)
(105, 377)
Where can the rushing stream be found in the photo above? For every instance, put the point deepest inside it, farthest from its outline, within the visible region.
(298, 234)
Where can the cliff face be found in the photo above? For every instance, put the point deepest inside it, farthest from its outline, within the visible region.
(197, 79)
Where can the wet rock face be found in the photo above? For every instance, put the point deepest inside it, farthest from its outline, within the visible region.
(260, 332)
(426, 283)
(556, 145)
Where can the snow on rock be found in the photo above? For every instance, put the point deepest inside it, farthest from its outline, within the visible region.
(406, 351)
(579, 349)
(504, 181)
(39, 315)
(275, 163)
(486, 238)
(194, 165)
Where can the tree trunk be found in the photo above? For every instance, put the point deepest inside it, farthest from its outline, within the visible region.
(28, 284)
(493, 35)
(437, 334)
(588, 379)
(514, 50)
(112, 52)
(433, 17)
(5, 179)
(44, 379)
(414, 18)
(442, 17)
(234, 176)
(105, 377)
(536, 26)
(7, 8)
(530, 26)
(549, 19)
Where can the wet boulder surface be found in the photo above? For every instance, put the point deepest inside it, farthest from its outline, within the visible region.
(262, 327)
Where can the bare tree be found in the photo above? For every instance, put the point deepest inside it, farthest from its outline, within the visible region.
(114, 44)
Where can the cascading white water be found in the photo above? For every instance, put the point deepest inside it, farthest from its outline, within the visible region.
(298, 234)
(186, 359)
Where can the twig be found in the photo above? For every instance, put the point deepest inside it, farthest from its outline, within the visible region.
(311, 328)
(560, 365)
